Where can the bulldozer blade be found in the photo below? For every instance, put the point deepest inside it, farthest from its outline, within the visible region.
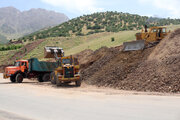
(51, 51)
(134, 45)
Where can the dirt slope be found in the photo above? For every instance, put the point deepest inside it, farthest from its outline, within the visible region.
(161, 71)
(109, 66)
(153, 69)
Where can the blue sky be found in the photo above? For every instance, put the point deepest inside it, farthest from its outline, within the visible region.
(75, 8)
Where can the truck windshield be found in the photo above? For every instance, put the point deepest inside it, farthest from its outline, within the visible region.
(17, 64)
(66, 61)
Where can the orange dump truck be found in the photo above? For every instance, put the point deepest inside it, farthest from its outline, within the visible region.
(31, 68)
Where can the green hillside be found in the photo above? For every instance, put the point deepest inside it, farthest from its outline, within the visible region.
(100, 22)
(74, 44)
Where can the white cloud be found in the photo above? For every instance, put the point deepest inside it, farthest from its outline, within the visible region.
(74, 6)
(172, 6)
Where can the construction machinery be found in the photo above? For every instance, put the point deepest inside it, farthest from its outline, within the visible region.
(32, 68)
(146, 39)
(67, 70)
(53, 52)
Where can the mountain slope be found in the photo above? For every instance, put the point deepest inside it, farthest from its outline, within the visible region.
(100, 22)
(71, 45)
(14, 23)
(3, 39)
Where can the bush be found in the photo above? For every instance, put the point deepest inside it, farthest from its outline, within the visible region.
(112, 39)
(10, 47)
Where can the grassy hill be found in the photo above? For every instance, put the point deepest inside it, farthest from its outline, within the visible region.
(100, 22)
(73, 45)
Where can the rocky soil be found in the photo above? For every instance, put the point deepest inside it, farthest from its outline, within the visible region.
(155, 69)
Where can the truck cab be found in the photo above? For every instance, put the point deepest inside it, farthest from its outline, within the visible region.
(14, 72)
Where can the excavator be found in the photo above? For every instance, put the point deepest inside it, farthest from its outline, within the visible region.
(146, 39)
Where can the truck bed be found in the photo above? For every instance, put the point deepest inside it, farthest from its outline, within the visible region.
(41, 66)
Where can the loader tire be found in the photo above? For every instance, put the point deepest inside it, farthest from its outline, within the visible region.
(19, 78)
(78, 83)
(53, 78)
(58, 82)
(12, 79)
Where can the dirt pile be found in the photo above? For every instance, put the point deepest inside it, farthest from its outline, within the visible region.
(110, 66)
(154, 69)
(84, 57)
(161, 71)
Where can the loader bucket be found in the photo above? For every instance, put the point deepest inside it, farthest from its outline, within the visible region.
(50, 51)
(134, 45)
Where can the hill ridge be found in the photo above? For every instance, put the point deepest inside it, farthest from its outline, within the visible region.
(100, 22)
(15, 23)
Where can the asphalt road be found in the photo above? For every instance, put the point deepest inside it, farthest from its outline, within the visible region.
(42, 101)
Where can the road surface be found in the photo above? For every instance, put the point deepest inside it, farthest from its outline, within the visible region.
(42, 101)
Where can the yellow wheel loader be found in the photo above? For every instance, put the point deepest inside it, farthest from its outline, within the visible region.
(67, 72)
(146, 39)
(68, 67)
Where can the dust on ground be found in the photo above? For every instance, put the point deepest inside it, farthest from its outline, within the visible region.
(46, 88)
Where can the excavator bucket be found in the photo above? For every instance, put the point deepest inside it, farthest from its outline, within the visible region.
(134, 45)
(53, 52)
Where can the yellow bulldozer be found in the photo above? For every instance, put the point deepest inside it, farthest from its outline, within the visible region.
(146, 39)
(68, 67)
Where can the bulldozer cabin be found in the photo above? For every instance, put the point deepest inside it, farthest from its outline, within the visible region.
(146, 39)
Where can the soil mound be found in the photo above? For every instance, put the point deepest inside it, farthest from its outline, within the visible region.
(161, 71)
(84, 57)
(110, 66)
(155, 69)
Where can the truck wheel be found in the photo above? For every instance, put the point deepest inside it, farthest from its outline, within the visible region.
(53, 78)
(78, 83)
(58, 82)
(12, 78)
(40, 78)
(46, 77)
(19, 78)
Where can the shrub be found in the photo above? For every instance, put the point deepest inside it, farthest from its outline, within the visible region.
(10, 47)
(112, 39)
